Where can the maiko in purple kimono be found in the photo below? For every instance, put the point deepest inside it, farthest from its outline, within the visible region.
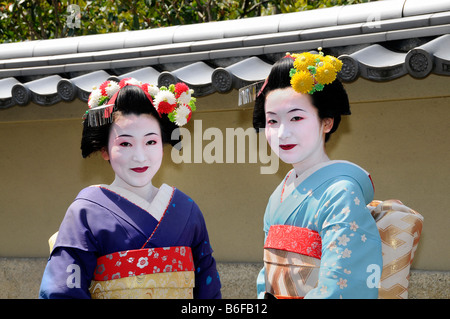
(130, 239)
(101, 221)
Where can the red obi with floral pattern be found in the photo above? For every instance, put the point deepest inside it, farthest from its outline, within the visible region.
(143, 262)
(295, 239)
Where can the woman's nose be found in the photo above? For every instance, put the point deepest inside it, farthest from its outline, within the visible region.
(139, 155)
(283, 131)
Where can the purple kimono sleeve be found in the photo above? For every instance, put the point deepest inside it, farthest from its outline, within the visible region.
(68, 274)
(72, 262)
(207, 280)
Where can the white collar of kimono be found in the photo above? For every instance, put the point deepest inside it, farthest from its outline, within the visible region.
(293, 181)
(156, 208)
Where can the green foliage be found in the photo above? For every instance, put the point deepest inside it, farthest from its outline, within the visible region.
(23, 20)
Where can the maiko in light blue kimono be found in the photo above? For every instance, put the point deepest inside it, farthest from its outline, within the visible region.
(338, 253)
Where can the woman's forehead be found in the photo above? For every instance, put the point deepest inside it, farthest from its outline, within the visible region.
(138, 124)
(287, 100)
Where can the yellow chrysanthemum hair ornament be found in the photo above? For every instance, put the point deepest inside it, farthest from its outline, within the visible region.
(311, 72)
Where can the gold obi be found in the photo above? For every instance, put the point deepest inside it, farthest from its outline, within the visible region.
(400, 228)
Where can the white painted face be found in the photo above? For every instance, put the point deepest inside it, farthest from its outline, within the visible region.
(135, 150)
(293, 128)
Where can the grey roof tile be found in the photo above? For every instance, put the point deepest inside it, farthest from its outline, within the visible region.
(378, 41)
(396, 24)
(432, 56)
(371, 11)
(115, 54)
(6, 99)
(271, 38)
(164, 49)
(247, 51)
(5, 87)
(416, 7)
(42, 70)
(55, 47)
(184, 57)
(146, 75)
(137, 62)
(80, 86)
(217, 44)
(440, 18)
(331, 32)
(101, 42)
(251, 69)
(196, 75)
(87, 81)
(24, 63)
(5, 73)
(251, 26)
(70, 58)
(242, 73)
(296, 46)
(89, 66)
(309, 19)
(380, 64)
(418, 32)
(199, 32)
(150, 37)
(44, 86)
(354, 39)
(17, 50)
(42, 91)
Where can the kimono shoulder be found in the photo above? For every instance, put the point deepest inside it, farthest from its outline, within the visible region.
(91, 209)
(330, 172)
(327, 179)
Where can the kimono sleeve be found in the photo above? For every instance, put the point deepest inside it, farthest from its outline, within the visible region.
(207, 280)
(68, 274)
(351, 245)
(261, 278)
(72, 262)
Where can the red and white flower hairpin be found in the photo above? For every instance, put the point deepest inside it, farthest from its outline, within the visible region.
(176, 101)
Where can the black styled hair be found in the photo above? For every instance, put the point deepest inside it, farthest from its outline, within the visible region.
(130, 100)
(331, 102)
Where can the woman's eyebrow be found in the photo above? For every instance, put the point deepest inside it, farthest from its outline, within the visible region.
(296, 109)
(128, 135)
(290, 111)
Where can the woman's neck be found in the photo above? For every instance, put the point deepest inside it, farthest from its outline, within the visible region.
(146, 192)
(301, 167)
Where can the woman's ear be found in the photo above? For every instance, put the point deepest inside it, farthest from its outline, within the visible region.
(327, 124)
(105, 154)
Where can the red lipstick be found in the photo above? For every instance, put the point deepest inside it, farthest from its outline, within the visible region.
(140, 169)
(287, 147)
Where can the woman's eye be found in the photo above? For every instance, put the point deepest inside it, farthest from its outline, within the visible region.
(125, 144)
(152, 142)
(297, 118)
(271, 121)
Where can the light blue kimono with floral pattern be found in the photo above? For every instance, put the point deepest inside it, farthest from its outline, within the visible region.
(331, 199)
